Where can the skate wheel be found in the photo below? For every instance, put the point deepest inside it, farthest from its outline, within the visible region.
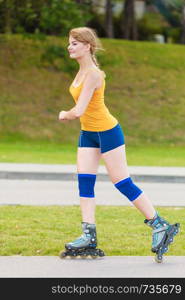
(159, 259)
(101, 253)
(159, 255)
(94, 256)
(176, 232)
(177, 225)
(165, 250)
(83, 256)
(62, 255)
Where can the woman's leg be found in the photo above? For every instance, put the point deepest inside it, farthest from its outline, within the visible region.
(116, 165)
(87, 163)
(87, 166)
(163, 232)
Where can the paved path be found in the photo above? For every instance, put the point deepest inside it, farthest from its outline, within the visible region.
(57, 192)
(38, 184)
(68, 172)
(110, 266)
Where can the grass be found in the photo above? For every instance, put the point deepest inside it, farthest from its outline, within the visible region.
(50, 153)
(144, 91)
(36, 230)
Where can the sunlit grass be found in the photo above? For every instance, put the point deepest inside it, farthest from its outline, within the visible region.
(50, 153)
(36, 230)
(144, 91)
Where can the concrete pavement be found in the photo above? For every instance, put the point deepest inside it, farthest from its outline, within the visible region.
(61, 192)
(108, 266)
(49, 183)
(69, 172)
(40, 184)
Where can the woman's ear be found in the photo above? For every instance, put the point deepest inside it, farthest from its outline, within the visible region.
(88, 47)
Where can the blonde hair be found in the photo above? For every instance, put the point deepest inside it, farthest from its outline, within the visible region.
(88, 35)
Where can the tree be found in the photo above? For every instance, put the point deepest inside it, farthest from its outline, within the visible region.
(129, 24)
(109, 19)
(58, 17)
(46, 16)
(183, 25)
(174, 12)
(7, 8)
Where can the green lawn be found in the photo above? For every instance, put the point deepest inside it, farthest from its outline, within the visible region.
(36, 230)
(50, 153)
(144, 90)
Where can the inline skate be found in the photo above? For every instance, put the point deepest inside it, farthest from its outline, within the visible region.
(85, 245)
(162, 235)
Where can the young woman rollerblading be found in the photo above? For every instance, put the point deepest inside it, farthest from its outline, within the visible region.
(101, 136)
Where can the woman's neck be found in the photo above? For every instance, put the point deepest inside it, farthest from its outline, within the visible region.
(84, 69)
(86, 63)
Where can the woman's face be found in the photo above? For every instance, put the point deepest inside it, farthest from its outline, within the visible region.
(77, 49)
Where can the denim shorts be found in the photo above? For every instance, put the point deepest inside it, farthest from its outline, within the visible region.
(105, 140)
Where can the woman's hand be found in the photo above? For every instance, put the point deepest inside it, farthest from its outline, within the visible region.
(62, 116)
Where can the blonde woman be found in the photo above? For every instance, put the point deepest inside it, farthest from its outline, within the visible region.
(101, 136)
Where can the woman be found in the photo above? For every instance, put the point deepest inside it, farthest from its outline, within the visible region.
(101, 136)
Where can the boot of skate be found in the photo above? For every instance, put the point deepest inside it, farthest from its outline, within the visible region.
(87, 240)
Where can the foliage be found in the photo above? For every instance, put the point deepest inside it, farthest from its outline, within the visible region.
(173, 3)
(151, 24)
(173, 34)
(57, 17)
(55, 56)
(48, 16)
(171, 10)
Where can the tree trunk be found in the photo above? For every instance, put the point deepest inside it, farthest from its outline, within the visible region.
(80, 1)
(183, 25)
(129, 25)
(109, 19)
(8, 18)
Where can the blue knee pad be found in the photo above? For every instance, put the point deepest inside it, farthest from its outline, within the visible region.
(128, 188)
(86, 184)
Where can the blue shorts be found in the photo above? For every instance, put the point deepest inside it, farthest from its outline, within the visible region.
(105, 140)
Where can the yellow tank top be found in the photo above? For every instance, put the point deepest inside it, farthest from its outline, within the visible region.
(97, 116)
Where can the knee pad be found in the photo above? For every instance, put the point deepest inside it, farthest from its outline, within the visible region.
(128, 188)
(86, 184)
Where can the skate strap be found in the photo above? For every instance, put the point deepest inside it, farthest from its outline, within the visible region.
(160, 229)
(81, 238)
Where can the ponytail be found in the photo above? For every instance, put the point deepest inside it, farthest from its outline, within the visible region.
(95, 60)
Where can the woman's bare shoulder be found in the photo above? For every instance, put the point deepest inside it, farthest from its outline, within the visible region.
(102, 72)
(94, 76)
(98, 71)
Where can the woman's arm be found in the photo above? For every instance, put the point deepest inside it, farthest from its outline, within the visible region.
(89, 85)
(67, 115)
